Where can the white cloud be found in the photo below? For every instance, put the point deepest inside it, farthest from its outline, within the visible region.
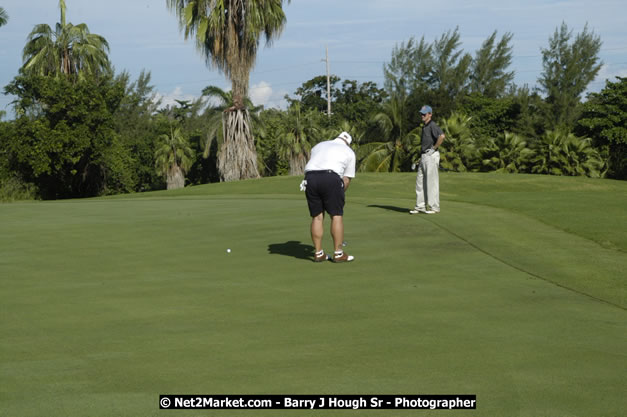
(263, 94)
(260, 93)
(608, 72)
(277, 100)
(169, 99)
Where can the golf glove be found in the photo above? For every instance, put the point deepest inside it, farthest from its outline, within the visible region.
(303, 185)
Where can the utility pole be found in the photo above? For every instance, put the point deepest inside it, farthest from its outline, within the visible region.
(328, 83)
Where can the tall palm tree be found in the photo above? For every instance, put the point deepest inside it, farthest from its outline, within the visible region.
(173, 158)
(4, 17)
(227, 32)
(69, 50)
(220, 101)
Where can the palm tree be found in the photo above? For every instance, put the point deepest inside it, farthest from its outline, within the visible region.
(227, 32)
(173, 158)
(583, 158)
(220, 101)
(4, 17)
(549, 159)
(69, 50)
(561, 153)
(391, 154)
(331, 132)
(595, 163)
(296, 141)
(458, 151)
(507, 153)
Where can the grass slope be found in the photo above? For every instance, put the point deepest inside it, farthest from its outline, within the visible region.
(515, 292)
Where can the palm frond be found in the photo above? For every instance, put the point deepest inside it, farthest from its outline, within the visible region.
(4, 17)
(69, 50)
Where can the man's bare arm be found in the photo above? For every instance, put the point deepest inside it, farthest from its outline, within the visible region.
(439, 142)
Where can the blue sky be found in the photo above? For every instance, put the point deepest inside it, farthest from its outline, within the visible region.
(360, 35)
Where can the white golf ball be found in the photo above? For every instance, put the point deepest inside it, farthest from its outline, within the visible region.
(228, 251)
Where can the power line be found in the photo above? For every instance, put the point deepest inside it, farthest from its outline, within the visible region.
(287, 68)
(513, 56)
(371, 77)
(361, 62)
(308, 64)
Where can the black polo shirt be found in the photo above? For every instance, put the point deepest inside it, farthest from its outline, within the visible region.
(430, 134)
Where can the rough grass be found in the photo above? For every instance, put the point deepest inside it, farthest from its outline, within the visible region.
(515, 293)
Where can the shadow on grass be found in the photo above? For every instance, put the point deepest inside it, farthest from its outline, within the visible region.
(292, 248)
(391, 208)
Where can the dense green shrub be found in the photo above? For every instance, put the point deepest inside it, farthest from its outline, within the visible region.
(13, 189)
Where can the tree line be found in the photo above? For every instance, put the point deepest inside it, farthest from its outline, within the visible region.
(82, 130)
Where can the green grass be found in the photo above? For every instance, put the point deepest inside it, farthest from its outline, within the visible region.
(515, 293)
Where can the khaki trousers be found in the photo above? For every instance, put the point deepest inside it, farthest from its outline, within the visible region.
(428, 182)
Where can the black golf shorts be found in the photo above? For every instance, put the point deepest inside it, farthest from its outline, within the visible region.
(325, 192)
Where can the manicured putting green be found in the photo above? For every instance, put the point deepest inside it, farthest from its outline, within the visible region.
(515, 293)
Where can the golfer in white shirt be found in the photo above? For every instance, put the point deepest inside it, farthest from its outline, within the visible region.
(328, 175)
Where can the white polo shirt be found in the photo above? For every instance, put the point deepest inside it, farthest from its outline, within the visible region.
(334, 155)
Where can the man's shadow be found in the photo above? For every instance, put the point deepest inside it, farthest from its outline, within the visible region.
(292, 248)
(391, 208)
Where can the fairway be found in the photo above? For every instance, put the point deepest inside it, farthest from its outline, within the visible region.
(515, 293)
